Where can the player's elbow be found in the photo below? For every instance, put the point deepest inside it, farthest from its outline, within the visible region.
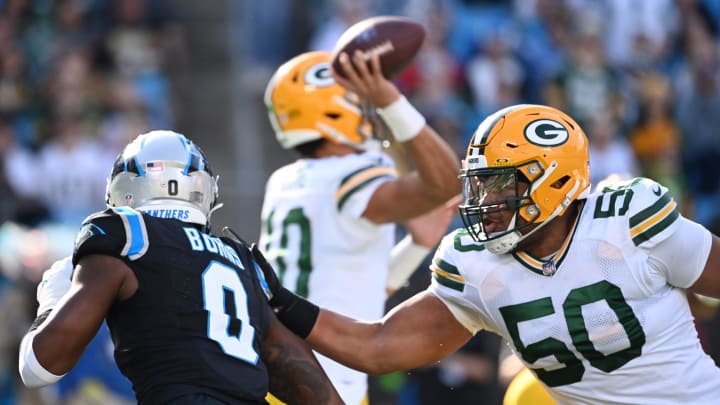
(452, 185)
(32, 373)
(444, 190)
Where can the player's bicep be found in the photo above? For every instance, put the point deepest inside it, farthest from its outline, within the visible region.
(709, 281)
(418, 332)
(61, 340)
(280, 340)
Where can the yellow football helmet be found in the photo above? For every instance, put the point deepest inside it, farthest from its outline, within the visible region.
(535, 144)
(305, 104)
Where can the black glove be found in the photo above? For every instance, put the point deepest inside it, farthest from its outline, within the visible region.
(296, 313)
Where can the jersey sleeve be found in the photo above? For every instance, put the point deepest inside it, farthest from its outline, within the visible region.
(118, 232)
(652, 213)
(449, 284)
(357, 187)
(677, 248)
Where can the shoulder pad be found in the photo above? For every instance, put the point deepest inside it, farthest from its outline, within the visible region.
(648, 206)
(119, 232)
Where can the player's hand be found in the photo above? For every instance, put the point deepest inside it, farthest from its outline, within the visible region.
(54, 284)
(365, 78)
(295, 312)
(271, 279)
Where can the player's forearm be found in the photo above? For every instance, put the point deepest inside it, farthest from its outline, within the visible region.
(296, 376)
(417, 332)
(436, 164)
(372, 347)
(348, 341)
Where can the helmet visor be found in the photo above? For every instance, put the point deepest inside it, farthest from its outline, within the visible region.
(493, 195)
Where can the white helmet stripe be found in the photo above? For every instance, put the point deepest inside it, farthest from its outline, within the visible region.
(136, 239)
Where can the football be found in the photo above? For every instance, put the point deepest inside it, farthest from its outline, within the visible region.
(396, 39)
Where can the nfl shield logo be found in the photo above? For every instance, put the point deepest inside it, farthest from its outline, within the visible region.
(549, 268)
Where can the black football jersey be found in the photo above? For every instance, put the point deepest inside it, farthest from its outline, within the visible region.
(197, 320)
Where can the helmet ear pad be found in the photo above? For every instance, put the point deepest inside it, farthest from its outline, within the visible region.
(556, 189)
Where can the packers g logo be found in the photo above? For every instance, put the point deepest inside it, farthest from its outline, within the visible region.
(319, 75)
(546, 132)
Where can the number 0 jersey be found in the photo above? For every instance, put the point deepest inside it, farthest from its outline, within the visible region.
(197, 320)
(315, 236)
(605, 319)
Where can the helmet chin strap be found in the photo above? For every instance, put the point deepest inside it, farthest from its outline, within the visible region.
(507, 243)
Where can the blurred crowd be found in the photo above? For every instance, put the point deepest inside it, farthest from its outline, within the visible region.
(79, 78)
(641, 77)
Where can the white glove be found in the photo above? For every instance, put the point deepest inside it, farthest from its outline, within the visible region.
(55, 283)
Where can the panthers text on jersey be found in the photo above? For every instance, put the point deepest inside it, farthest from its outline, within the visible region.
(314, 235)
(197, 320)
(602, 320)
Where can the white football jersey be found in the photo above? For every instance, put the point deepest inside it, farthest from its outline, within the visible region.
(314, 234)
(604, 320)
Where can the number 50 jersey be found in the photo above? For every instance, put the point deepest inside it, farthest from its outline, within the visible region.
(603, 320)
(198, 317)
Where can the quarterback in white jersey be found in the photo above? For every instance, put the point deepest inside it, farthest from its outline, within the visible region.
(324, 250)
(314, 232)
(588, 289)
(328, 218)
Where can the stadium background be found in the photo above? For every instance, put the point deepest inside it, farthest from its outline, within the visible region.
(79, 78)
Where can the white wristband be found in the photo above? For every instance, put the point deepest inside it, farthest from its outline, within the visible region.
(404, 121)
(405, 258)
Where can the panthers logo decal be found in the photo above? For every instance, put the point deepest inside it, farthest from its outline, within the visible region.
(546, 132)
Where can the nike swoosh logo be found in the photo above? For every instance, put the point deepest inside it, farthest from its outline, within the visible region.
(656, 190)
